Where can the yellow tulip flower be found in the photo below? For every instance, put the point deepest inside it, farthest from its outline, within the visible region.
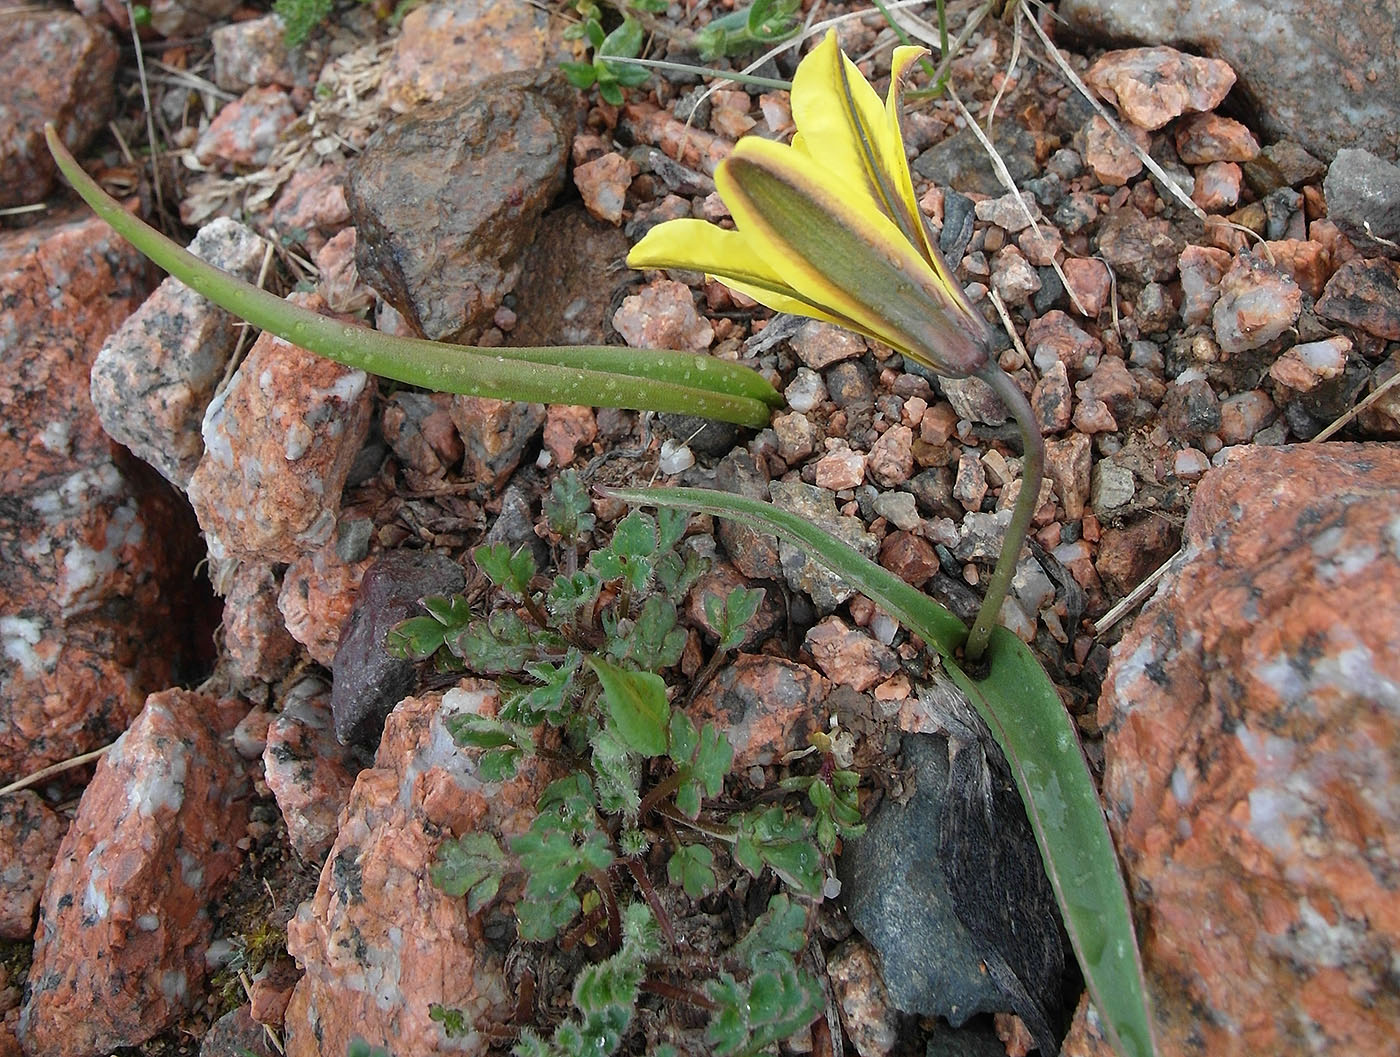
(828, 227)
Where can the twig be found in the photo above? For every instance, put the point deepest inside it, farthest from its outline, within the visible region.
(146, 103)
(1389, 384)
(53, 769)
(1007, 325)
(1134, 597)
(14, 211)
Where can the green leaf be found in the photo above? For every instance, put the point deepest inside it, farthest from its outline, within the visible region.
(470, 866)
(540, 920)
(692, 867)
(617, 774)
(715, 758)
(415, 638)
(568, 508)
(731, 614)
(1038, 738)
(697, 384)
(500, 643)
(655, 641)
(579, 74)
(625, 40)
(636, 704)
(454, 1021)
(568, 594)
(453, 612)
(781, 927)
(509, 571)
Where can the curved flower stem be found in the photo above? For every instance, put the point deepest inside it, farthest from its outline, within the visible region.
(1026, 502)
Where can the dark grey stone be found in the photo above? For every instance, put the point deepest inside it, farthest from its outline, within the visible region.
(367, 681)
(948, 886)
(1363, 189)
(446, 197)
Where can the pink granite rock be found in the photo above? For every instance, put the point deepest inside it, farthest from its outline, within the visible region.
(127, 908)
(840, 468)
(1150, 86)
(62, 70)
(95, 553)
(1203, 139)
(567, 428)
(1217, 187)
(311, 206)
(278, 446)
(1108, 154)
(339, 283)
(1202, 268)
(449, 44)
(663, 316)
(1068, 463)
(318, 593)
(29, 834)
(246, 131)
(891, 461)
(819, 345)
(1089, 279)
(494, 434)
(255, 52)
(1258, 302)
(157, 373)
(1056, 337)
(603, 183)
(256, 640)
(378, 942)
(850, 656)
(308, 770)
(766, 707)
(1250, 721)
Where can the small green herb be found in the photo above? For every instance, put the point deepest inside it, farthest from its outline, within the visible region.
(762, 23)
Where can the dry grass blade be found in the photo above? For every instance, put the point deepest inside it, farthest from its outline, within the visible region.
(1389, 384)
(146, 106)
(53, 769)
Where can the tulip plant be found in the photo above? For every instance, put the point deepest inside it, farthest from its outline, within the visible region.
(827, 227)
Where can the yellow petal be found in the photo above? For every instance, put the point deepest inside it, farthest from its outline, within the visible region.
(903, 59)
(847, 256)
(842, 124)
(725, 255)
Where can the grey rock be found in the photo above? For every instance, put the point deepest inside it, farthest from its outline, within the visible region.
(368, 683)
(958, 214)
(704, 435)
(515, 526)
(157, 373)
(755, 554)
(445, 198)
(1113, 487)
(900, 509)
(565, 294)
(1363, 192)
(948, 888)
(1279, 49)
(1282, 164)
(1138, 247)
(974, 400)
(961, 163)
(982, 536)
(804, 573)
(850, 386)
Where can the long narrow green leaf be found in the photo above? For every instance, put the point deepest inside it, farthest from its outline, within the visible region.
(600, 376)
(1024, 713)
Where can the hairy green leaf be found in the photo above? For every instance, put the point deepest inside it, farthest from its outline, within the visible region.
(636, 704)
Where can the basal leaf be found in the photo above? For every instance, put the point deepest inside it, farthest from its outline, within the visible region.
(1038, 738)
